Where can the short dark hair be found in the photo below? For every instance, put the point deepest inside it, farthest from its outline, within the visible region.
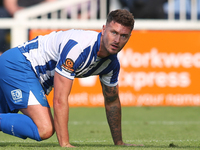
(121, 16)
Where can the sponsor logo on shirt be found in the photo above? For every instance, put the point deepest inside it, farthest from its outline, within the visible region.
(68, 65)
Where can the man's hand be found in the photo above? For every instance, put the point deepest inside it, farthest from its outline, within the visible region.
(136, 145)
(68, 145)
(124, 144)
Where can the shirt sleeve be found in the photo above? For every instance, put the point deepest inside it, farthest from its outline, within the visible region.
(111, 78)
(69, 53)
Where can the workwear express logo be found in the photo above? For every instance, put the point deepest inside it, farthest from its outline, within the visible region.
(16, 95)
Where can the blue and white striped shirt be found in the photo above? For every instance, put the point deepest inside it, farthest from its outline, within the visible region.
(73, 54)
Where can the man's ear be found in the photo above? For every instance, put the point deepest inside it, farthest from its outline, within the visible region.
(103, 29)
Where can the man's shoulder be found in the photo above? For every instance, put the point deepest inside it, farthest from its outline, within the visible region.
(79, 32)
(84, 38)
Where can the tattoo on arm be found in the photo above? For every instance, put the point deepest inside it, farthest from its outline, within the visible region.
(110, 93)
(113, 111)
(114, 121)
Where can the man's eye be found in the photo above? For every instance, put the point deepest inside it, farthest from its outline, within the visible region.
(114, 33)
(124, 36)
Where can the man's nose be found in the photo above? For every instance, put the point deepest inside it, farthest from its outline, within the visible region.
(117, 38)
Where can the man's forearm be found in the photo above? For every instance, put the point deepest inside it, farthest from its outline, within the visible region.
(113, 113)
(61, 123)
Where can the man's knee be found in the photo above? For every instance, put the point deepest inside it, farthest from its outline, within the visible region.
(42, 118)
(46, 130)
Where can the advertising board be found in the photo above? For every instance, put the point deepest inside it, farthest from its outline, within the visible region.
(158, 68)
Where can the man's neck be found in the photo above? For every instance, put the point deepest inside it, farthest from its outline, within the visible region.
(102, 53)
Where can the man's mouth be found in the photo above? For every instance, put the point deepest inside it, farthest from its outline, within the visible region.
(114, 46)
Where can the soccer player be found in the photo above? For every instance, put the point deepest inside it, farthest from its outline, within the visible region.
(29, 71)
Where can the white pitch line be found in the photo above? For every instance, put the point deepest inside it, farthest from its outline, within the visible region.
(187, 140)
(137, 122)
(93, 141)
(162, 122)
(134, 141)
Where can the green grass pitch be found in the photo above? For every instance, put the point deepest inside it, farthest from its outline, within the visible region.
(158, 128)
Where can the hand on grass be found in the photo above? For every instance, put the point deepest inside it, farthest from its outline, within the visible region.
(133, 144)
(124, 144)
(68, 145)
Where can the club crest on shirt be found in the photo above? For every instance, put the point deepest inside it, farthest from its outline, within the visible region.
(68, 65)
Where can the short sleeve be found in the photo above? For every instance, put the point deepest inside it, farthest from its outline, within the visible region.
(111, 78)
(67, 59)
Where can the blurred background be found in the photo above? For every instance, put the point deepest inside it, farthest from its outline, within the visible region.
(160, 63)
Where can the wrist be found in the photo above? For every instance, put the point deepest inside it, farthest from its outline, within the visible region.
(119, 143)
(64, 144)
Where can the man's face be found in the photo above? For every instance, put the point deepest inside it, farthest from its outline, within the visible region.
(114, 37)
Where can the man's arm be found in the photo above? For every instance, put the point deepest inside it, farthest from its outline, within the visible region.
(113, 113)
(62, 88)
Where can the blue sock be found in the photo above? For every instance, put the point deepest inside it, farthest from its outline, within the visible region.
(19, 125)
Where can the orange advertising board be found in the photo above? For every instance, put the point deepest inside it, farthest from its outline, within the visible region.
(158, 68)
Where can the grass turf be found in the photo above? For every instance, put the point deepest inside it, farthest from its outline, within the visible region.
(158, 128)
